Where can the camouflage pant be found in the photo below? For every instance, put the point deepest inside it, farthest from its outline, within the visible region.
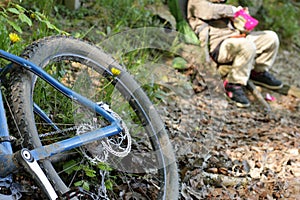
(257, 51)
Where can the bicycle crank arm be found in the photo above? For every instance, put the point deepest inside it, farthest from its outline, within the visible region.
(31, 166)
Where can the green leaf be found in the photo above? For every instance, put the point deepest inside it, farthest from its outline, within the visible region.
(175, 10)
(104, 166)
(70, 166)
(15, 26)
(37, 15)
(89, 172)
(25, 19)
(20, 8)
(48, 24)
(189, 35)
(86, 186)
(109, 184)
(78, 183)
(179, 63)
(13, 10)
(3, 15)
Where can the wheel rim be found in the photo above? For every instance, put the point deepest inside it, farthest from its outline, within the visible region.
(135, 162)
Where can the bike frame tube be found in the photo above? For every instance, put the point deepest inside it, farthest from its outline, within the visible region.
(6, 162)
(64, 145)
(5, 147)
(52, 81)
(76, 141)
(44, 116)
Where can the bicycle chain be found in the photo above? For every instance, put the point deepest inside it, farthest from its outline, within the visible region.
(74, 128)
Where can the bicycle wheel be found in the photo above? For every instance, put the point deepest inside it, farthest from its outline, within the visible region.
(139, 163)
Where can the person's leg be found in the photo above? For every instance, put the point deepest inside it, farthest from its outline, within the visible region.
(267, 44)
(241, 53)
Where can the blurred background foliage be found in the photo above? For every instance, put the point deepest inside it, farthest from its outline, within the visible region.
(281, 16)
(97, 19)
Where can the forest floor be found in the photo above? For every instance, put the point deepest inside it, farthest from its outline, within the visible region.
(225, 152)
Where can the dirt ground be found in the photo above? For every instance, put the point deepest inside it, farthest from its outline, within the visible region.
(225, 152)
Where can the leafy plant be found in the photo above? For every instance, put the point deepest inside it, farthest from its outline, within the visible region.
(89, 173)
(283, 18)
(16, 22)
(182, 25)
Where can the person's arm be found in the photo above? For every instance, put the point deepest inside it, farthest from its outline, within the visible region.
(206, 10)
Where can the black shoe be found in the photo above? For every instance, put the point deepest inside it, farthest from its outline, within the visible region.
(265, 79)
(236, 93)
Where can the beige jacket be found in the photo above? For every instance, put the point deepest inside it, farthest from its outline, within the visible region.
(211, 21)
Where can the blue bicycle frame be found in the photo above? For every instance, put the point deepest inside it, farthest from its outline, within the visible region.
(6, 154)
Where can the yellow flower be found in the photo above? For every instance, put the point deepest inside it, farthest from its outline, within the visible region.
(115, 71)
(14, 37)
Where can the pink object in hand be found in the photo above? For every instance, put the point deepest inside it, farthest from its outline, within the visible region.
(249, 21)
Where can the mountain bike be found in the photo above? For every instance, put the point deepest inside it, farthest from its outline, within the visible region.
(76, 125)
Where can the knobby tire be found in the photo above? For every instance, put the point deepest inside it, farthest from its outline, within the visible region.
(157, 175)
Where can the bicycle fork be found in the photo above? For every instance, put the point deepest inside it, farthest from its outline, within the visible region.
(31, 165)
